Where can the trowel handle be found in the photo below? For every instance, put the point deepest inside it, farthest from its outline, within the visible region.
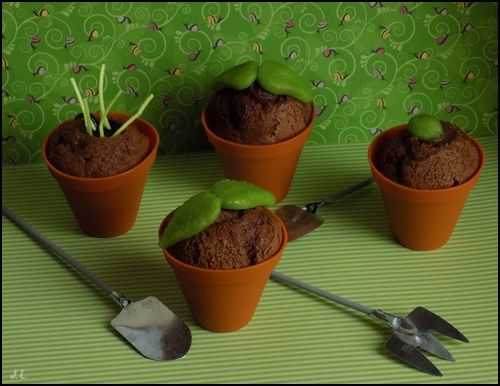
(324, 294)
(314, 206)
(121, 300)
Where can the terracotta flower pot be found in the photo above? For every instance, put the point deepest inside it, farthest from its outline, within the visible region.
(107, 206)
(420, 219)
(271, 167)
(223, 300)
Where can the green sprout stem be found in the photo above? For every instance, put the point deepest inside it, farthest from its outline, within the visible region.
(86, 114)
(113, 101)
(103, 122)
(135, 116)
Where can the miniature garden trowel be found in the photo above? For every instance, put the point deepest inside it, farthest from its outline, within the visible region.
(299, 221)
(409, 333)
(148, 325)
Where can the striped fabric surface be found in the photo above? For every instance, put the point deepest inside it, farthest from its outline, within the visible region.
(55, 328)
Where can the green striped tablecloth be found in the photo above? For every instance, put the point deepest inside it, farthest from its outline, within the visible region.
(56, 329)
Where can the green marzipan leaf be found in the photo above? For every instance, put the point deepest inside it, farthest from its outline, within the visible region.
(240, 77)
(279, 79)
(192, 217)
(425, 127)
(238, 195)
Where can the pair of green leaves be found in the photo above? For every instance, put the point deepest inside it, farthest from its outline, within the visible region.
(201, 210)
(274, 77)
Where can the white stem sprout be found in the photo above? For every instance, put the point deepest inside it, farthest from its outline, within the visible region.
(113, 101)
(86, 115)
(135, 116)
(87, 111)
(103, 122)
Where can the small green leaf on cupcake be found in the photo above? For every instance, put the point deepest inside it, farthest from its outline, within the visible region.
(202, 210)
(425, 127)
(239, 195)
(239, 77)
(279, 79)
(274, 77)
(195, 215)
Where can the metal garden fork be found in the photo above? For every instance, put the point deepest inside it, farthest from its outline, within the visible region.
(409, 333)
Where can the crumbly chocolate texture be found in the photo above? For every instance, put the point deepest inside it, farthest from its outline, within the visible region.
(73, 151)
(237, 239)
(256, 117)
(448, 162)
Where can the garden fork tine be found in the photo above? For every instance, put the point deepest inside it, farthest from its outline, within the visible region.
(429, 343)
(426, 320)
(409, 334)
(411, 356)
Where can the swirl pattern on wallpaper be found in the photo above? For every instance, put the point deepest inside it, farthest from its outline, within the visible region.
(371, 65)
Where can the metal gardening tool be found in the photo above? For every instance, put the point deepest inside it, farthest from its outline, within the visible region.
(409, 333)
(299, 221)
(148, 325)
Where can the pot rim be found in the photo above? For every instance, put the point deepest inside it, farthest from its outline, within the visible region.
(251, 268)
(270, 146)
(153, 146)
(403, 188)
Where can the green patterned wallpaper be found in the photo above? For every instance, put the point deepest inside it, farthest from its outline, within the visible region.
(371, 65)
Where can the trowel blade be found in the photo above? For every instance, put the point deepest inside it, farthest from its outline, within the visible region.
(153, 330)
(298, 221)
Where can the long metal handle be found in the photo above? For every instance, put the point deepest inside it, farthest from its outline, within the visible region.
(314, 206)
(120, 299)
(324, 294)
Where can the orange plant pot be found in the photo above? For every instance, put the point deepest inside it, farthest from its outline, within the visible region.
(420, 219)
(223, 300)
(107, 206)
(271, 167)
